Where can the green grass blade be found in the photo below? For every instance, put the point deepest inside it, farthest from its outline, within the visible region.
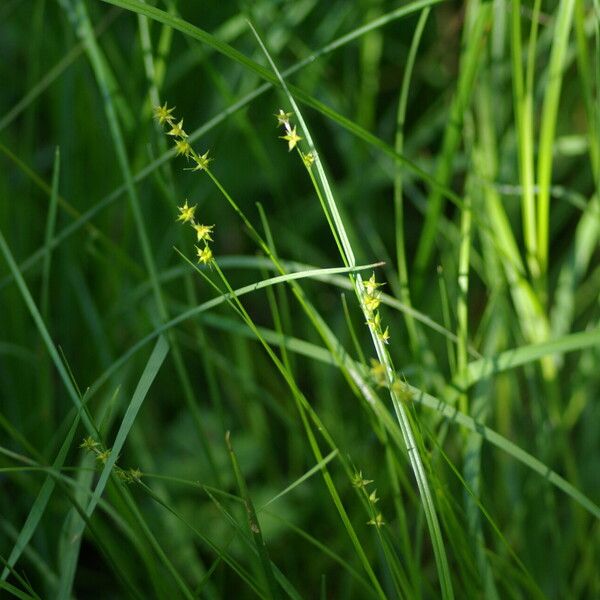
(209, 304)
(223, 48)
(403, 283)
(40, 503)
(220, 552)
(564, 18)
(431, 402)
(470, 62)
(50, 226)
(43, 331)
(253, 523)
(509, 359)
(152, 367)
(523, 100)
(302, 479)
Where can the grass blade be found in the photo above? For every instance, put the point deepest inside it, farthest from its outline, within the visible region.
(154, 364)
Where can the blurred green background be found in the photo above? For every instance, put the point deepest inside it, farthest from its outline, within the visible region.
(492, 89)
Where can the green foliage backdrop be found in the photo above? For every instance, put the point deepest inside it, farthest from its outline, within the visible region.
(329, 328)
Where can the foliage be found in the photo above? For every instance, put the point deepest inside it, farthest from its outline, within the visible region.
(374, 373)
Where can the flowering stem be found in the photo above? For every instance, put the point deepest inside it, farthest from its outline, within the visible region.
(380, 348)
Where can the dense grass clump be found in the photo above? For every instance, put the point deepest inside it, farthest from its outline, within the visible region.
(300, 299)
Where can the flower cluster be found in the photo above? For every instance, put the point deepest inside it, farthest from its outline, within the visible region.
(203, 233)
(372, 300)
(164, 116)
(89, 444)
(378, 373)
(400, 388)
(292, 138)
(359, 482)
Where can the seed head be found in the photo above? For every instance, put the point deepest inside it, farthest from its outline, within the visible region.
(163, 114)
(373, 301)
(203, 232)
(283, 118)
(373, 499)
(384, 336)
(205, 255)
(377, 521)
(89, 444)
(358, 481)
(308, 159)
(103, 456)
(402, 390)
(135, 474)
(201, 161)
(177, 130)
(182, 147)
(186, 213)
(378, 373)
(374, 321)
(371, 285)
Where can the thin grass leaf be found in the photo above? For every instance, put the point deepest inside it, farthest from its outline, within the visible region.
(41, 502)
(300, 480)
(253, 523)
(403, 281)
(43, 331)
(470, 62)
(223, 555)
(154, 364)
(564, 18)
(509, 359)
(449, 412)
(50, 226)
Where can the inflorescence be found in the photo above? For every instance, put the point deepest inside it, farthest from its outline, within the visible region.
(292, 137)
(372, 300)
(360, 483)
(369, 294)
(165, 118)
(89, 444)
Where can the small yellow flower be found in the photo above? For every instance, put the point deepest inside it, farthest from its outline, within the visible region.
(122, 475)
(385, 335)
(372, 302)
(203, 232)
(309, 159)
(183, 147)
(186, 213)
(292, 138)
(204, 255)
(358, 481)
(373, 499)
(177, 130)
(201, 161)
(374, 322)
(135, 474)
(402, 390)
(283, 118)
(103, 456)
(89, 444)
(163, 114)
(377, 521)
(371, 285)
(378, 373)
